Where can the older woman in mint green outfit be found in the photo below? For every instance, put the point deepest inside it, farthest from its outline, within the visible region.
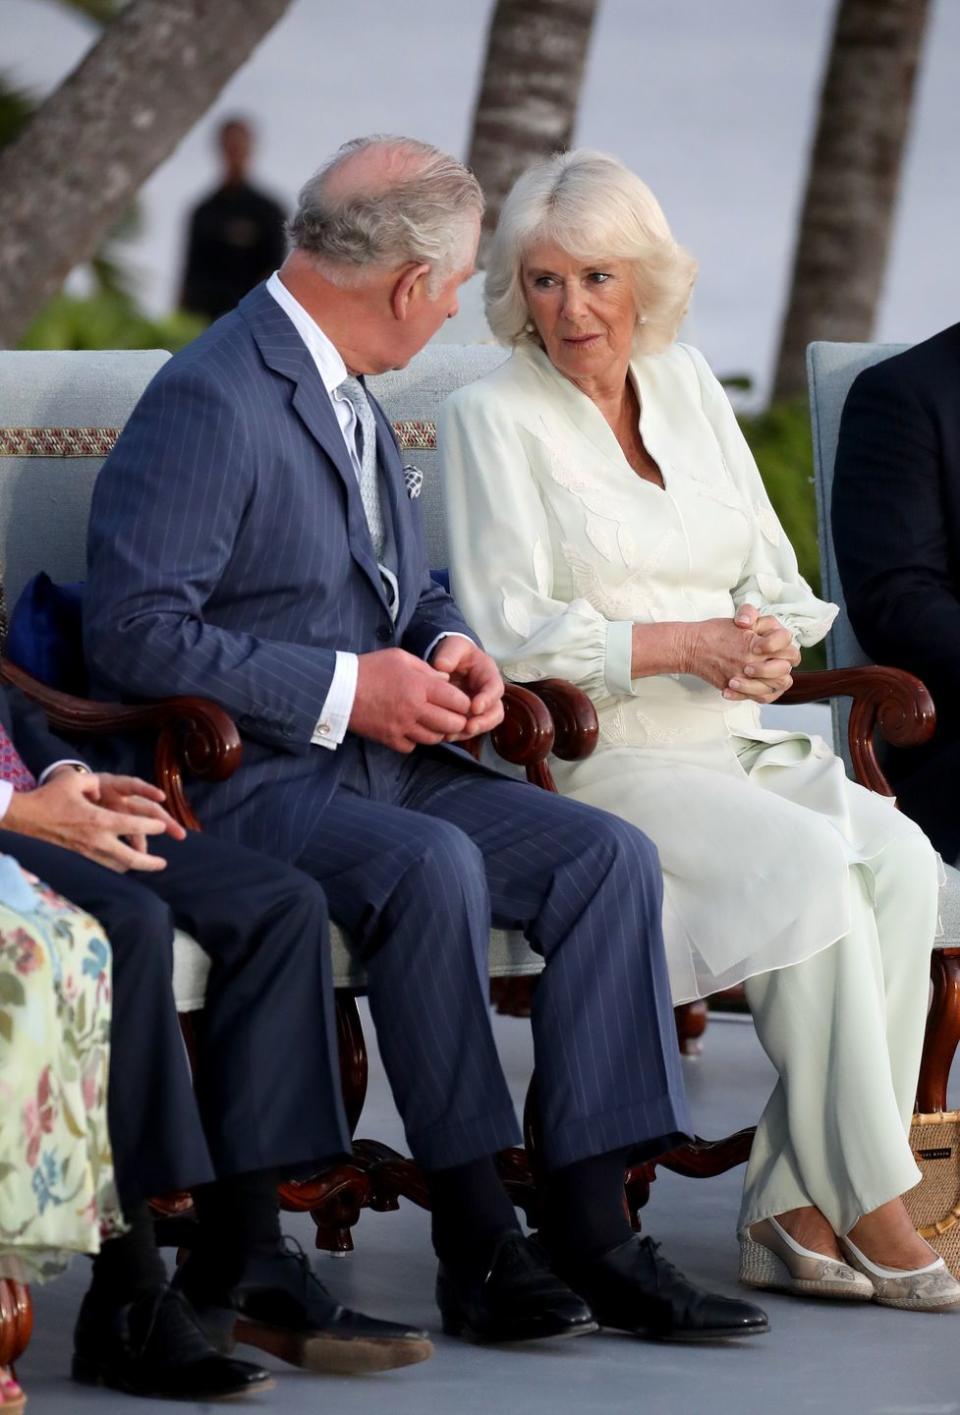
(608, 525)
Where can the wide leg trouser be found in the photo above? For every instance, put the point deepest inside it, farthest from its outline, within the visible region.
(417, 859)
(844, 1030)
(267, 1082)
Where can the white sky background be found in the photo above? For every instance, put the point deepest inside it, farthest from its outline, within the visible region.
(711, 101)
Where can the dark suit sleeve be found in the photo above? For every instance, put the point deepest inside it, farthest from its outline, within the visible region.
(166, 514)
(32, 738)
(890, 531)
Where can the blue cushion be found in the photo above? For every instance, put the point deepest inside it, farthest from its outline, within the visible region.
(46, 634)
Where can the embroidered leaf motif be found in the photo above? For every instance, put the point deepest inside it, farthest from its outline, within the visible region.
(768, 523)
(769, 586)
(517, 615)
(602, 535)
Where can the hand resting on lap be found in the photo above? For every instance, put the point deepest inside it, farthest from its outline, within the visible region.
(107, 818)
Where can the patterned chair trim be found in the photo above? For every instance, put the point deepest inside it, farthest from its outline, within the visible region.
(413, 436)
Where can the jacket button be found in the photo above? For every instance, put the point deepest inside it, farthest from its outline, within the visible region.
(384, 634)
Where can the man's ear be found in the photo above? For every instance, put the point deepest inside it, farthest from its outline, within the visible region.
(411, 284)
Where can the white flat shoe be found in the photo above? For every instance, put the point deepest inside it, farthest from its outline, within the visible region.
(929, 1289)
(772, 1260)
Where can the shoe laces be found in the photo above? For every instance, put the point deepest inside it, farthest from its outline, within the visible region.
(664, 1272)
(290, 1248)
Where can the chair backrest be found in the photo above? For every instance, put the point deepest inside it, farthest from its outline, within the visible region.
(411, 398)
(831, 369)
(59, 417)
(60, 413)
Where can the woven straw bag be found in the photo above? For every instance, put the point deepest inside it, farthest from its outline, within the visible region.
(934, 1205)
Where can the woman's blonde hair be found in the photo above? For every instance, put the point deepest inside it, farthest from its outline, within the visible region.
(594, 208)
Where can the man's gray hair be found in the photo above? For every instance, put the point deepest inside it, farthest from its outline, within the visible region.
(381, 202)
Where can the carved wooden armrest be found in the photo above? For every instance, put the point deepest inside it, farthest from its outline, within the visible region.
(575, 724)
(526, 734)
(193, 735)
(885, 700)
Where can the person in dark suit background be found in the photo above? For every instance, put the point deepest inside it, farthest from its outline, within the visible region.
(236, 234)
(252, 540)
(255, 1111)
(896, 530)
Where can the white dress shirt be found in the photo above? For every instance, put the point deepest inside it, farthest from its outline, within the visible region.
(335, 713)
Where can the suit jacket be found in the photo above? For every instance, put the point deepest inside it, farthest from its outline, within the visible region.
(896, 529)
(229, 556)
(26, 726)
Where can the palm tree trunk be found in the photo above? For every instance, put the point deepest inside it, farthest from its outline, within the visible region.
(74, 169)
(536, 51)
(852, 181)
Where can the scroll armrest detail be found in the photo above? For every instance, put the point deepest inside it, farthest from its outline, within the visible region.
(885, 700)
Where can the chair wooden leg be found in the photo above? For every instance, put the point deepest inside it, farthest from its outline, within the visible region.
(336, 1195)
(691, 1020)
(16, 1321)
(943, 1030)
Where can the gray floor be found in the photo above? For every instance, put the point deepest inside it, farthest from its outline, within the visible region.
(817, 1357)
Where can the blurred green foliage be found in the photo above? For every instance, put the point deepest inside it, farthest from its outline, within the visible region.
(109, 319)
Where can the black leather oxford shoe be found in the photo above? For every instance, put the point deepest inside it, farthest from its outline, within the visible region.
(633, 1288)
(281, 1306)
(519, 1298)
(154, 1347)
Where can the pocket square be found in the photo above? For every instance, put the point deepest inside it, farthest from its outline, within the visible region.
(413, 479)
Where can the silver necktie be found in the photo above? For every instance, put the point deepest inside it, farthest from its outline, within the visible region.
(352, 389)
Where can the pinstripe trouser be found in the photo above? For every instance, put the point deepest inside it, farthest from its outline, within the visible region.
(417, 856)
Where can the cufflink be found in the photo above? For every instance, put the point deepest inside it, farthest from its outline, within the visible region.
(324, 729)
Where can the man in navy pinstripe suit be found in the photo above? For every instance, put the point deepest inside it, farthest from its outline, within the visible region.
(251, 540)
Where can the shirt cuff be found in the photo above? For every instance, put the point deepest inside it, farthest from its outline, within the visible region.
(447, 634)
(619, 658)
(64, 761)
(6, 795)
(334, 716)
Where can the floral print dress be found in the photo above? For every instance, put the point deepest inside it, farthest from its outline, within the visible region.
(57, 1195)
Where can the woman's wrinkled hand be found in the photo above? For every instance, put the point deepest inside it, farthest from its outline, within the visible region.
(767, 673)
(750, 657)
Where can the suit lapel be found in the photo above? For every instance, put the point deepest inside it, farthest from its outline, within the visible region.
(284, 351)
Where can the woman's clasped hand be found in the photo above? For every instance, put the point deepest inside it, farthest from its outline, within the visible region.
(751, 656)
